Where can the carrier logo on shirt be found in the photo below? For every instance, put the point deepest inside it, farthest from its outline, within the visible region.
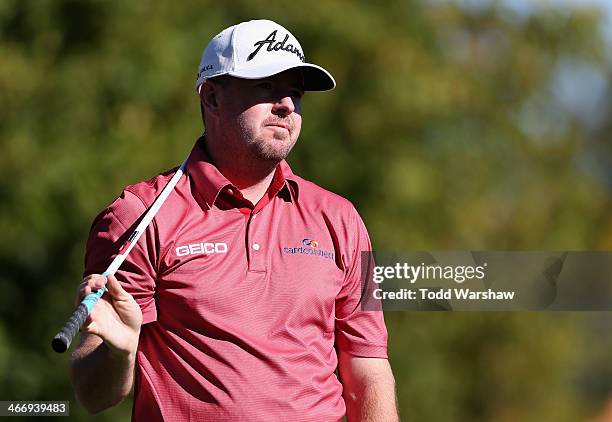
(201, 248)
(310, 247)
(310, 242)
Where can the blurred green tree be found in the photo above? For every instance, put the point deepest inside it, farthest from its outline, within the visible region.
(452, 127)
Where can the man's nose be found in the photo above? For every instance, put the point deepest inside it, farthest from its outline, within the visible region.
(284, 106)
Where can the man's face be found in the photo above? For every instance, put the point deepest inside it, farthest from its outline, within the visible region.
(261, 118)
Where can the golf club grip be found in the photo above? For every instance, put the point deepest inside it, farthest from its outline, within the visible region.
(62, 340)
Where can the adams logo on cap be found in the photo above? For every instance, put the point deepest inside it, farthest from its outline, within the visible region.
(273, 45)
(258, 49)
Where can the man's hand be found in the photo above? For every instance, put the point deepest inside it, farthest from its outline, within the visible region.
(102, 365)
(116, 318)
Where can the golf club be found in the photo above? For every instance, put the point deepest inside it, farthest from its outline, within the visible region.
(63, 338)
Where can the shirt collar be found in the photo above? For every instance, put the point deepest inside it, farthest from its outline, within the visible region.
(209, 181)
(290, 183)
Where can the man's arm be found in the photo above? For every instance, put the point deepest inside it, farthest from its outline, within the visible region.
(369, 389)
(102, 365)
(100, 379)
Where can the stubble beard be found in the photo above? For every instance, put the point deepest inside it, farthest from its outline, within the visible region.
(264, 147)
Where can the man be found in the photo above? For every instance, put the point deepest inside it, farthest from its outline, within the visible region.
(243, 297)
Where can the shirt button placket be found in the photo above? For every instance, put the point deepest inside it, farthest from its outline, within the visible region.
(257, 258)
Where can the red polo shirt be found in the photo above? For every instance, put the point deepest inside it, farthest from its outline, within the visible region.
(244, 306)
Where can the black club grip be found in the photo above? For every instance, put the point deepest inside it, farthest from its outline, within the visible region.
(62, 340)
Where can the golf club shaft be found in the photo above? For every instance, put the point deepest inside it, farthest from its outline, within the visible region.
(63, 338)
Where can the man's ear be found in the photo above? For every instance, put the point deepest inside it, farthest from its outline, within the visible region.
(208, 96)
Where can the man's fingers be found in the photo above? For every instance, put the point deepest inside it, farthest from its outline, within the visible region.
(90, 284)
(116, 290)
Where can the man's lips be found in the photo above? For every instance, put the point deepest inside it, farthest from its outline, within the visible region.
(281, 125)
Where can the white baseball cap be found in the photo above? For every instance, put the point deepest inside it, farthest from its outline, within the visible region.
(257, 49)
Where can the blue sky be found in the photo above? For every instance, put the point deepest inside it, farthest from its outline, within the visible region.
(525, 7)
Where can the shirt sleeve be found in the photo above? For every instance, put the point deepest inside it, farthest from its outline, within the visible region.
(360, 326)
(109, 231)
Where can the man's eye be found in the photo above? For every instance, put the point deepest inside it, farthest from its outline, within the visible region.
(264, 85)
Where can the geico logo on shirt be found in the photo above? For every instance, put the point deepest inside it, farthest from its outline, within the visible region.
(203, 247)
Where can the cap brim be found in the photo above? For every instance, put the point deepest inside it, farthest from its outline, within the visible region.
(315, 77)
